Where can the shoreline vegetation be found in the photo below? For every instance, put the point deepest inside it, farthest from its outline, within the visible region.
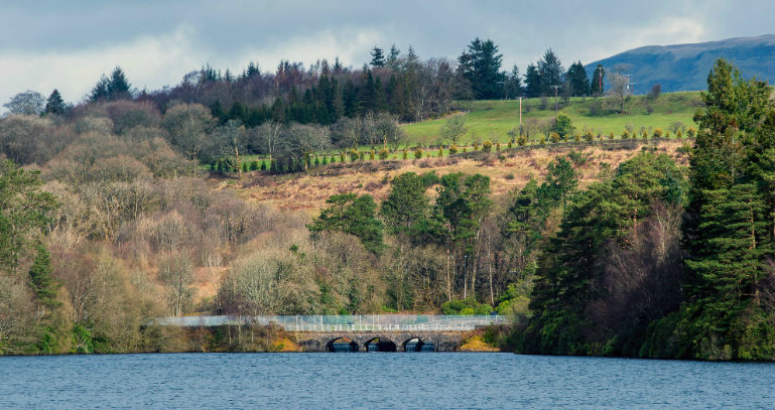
(616, 228)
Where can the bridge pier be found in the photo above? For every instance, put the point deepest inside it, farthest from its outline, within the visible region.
(448, 341)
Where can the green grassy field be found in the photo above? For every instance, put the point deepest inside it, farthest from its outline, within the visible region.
(493, 119)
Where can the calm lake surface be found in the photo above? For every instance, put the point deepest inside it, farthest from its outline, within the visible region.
(379, 381)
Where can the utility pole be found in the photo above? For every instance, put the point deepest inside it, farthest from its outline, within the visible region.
(628, 83)
(556, 87)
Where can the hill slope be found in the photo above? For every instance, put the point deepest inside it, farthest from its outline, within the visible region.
(492, 119)
(685, 67)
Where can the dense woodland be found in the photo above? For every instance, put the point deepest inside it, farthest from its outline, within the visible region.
(107, 217)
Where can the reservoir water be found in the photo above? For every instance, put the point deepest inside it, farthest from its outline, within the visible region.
(379, 381)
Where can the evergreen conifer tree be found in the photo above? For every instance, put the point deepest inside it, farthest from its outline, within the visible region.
(377, 57)
(42, 284)
(118, 87)
(532, 81)
(55, 104)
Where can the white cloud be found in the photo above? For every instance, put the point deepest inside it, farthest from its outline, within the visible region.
(149, 62)
(153, 62)
(351, 46)
(671, 30)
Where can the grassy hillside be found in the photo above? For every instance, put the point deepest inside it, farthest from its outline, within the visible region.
(307, 192)
(493, 119)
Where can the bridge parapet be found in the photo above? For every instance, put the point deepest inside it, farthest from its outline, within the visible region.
(346, 323)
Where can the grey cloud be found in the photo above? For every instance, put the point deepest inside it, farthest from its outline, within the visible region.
(221, 32)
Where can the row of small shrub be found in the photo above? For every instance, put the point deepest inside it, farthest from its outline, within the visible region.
(418, 153)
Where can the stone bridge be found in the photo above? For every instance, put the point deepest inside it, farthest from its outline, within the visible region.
(317, 333)
(360, 341)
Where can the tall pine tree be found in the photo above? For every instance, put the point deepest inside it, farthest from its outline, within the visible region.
(578, 80)
(377, 57)
(41, 282)
(118, 86)
(729, 230)
(550, 69)
(532, 81)
(55, 104)
(480, 65)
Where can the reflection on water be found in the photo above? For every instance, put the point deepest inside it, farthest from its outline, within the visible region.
(395, 381)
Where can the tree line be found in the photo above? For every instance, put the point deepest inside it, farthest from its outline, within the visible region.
(115, 224)
(397, 83)
(653, 264)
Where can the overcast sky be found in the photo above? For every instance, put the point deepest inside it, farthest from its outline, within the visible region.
(69, 44)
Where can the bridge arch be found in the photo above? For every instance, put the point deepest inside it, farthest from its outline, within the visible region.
(417, 344)
(342, 344)
(380, 344)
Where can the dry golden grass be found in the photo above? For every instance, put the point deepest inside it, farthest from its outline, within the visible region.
(476, 343)
(284, 345)
(308, 192)
(206, 282)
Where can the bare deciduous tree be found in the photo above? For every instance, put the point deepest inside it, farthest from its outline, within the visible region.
(24, 139)
(301, 140)
(16, 310)
(188, 127)
(618, 90)
(26, 103)
(266, 136)
(177, 274)
(231, 142)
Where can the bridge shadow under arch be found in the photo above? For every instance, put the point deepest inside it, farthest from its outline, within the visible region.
(342, 345)
(416, 344)
(378, 344)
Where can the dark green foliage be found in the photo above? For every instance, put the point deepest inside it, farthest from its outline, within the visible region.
(464, 201)
(406, 204)
(513, 86)
(533, 81)
(42, 284)
(560, 182)
(352, 214)
(82, 337)
(429, 179)
(571, 301)
(550, 70)
(377, 57)
(468, 306)
(563, 126)
(526, 218)
(597, 86)
(24, 212)
(729, 229)
(100, 90)
(116, 87)
(577, 80)
(480, 65)
(55, 104)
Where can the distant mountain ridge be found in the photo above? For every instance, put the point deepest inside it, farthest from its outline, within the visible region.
(685, 67)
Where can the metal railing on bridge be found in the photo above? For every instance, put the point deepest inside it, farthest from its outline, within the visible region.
(345, 323)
